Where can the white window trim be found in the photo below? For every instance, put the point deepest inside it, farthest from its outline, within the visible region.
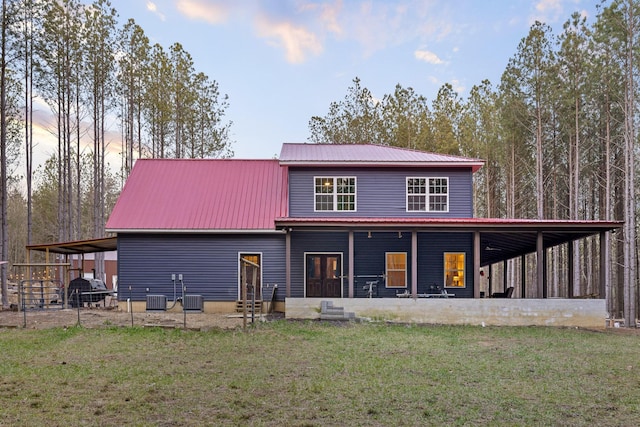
(386, 270)
(464, 270)
(427, 194)
(335, 193)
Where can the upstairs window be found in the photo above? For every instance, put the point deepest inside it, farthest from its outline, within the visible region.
(335, 194)
(427, 194)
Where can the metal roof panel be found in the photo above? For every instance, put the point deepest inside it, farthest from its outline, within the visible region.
(368, 155)
(211, 194)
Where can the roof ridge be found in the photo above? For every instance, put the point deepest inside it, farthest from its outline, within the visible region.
(368, 144)
(204, 160)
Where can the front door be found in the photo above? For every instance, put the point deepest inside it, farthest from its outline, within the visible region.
(323, 275)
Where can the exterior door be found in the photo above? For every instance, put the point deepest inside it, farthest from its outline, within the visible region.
(251, 275)
(323, 275)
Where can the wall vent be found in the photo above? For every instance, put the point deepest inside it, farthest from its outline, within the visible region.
(193, 303)
(156, 303)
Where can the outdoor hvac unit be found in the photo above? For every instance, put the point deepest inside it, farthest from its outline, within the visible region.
(156, 303)
(192, 303)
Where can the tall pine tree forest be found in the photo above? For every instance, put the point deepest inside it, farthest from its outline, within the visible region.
(104, 85)
(557, 134)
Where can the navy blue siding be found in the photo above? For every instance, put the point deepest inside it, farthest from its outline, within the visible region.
(431, 249)
(381, 192)
(208, 263)
(369, 258)
(315, 242)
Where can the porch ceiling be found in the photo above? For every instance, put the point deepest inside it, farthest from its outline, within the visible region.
(500, 246)
(500, 239)
(78, 246)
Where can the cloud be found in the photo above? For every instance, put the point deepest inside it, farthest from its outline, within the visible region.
(427, 56)
(304, 28)
(152, 7)
(213, 13)
(544, 6)
(296, 41)
(458, 86)
(326, 14)
(547, 11)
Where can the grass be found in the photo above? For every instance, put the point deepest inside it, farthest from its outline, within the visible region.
(318, 374)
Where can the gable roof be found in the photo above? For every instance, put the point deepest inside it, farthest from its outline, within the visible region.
(369, 155)
(182, 195)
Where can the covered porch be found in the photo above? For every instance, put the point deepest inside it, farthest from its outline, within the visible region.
(494, 241)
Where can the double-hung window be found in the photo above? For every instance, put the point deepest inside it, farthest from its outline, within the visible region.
(335, 193)
(427, 194)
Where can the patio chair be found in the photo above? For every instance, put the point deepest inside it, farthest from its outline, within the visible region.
(505, 294)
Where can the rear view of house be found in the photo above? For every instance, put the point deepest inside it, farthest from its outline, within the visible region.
(322, 221)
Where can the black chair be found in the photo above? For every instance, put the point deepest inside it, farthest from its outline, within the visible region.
(505, 294)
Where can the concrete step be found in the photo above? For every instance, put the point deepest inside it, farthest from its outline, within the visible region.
(329, 312)
(324, 305)
(333, 310)
(343, 317)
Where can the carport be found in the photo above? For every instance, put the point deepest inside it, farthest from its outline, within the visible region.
(77, 247)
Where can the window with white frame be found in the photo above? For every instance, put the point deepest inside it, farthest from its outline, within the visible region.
(335, 194)
(454, 270)
(427, 194)
(396, 269)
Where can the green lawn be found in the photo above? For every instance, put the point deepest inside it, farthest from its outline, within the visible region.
(319, 374)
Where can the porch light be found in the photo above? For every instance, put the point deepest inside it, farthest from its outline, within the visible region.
(368, 235)
(399, 234)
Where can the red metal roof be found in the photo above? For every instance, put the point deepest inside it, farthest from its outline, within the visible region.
(368, 155)
(212, 194)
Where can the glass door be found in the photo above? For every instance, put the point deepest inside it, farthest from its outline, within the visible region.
(323, 276)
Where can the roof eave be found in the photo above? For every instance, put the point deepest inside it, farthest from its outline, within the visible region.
(460, 224)
(193, 231)
(475, 166)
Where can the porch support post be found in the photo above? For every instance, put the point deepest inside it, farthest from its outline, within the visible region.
(604, 248)
(539, 266)
(489, 281)
(570, 271)
(351, 263)
(414, 264)
(545, 284)
(287, 263)
(476, 264)
(505, 271)
(523, 275)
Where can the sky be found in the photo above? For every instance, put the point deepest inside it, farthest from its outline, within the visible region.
(283, 61)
